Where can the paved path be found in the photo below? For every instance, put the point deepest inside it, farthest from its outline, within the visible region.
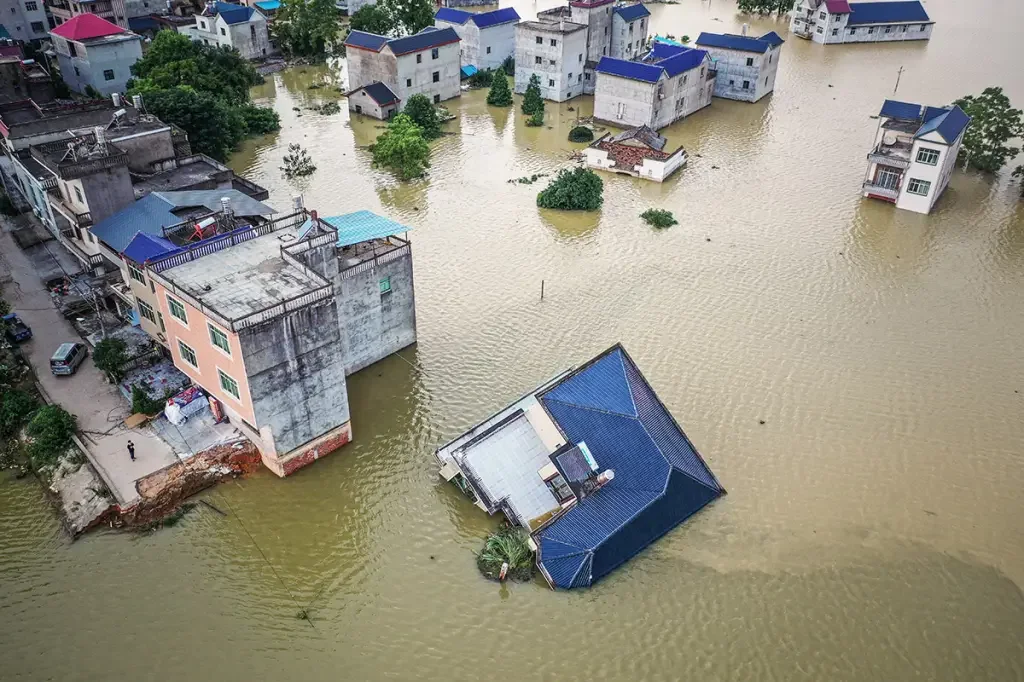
(97, 404)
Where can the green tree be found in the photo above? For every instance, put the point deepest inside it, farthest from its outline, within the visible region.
(15, 408)
(402, 149)
(509, 66)
(536, 119)
(581, 134)
(373, 19)
(500, 94)
(109, 356)
(659, 217)
(994, 124)
(764, 6)
(307, 28)
(579, 189)
(532, 101)
(424, 114)
(51, 430)
(213, 126)
(411, 15)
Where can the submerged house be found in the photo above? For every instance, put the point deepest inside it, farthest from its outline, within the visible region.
(746, 65)
(488, 38)
(639, 152)
(837, 21)
(914, 154)
(591, 464)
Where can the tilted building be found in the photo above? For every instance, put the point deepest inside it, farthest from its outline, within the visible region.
(745, 66)
(95, 53)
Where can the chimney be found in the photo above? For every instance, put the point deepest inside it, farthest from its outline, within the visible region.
(746, 28)
(297, 202)
(116, 99)
(605, 477)
(137, 102)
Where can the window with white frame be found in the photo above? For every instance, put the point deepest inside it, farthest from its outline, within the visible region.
(219, 339)
(187, 354)
(146, 311)
(920, 187)
(177, 309)
(229, 385)
(928, 156)
(136, 274)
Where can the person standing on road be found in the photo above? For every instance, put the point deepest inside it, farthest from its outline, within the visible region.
(131, 450)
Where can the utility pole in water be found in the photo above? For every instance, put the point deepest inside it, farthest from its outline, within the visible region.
(898, 74)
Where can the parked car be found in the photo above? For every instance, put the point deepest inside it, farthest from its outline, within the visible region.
(16, 330)
(67, 358)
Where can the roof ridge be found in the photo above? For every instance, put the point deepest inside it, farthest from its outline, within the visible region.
(595, 409)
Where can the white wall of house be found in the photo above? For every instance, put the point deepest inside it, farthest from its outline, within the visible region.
(745, 76)
(628, 103)
(421, 73)
(25, 19)
(936, 175)
(649, 169)
(104, 64)
(830, 29)
(598, 21)
(884, 33)
(557, 59)
(484, 48)
(361, 103)
(250, 38)
(628, 37)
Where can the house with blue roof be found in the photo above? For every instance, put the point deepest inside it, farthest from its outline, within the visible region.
(425, 63)
(671, 83)
(488, 38)
(831, 22)
(238, 26)
(745, 66)
(591, 464)
(914, 154)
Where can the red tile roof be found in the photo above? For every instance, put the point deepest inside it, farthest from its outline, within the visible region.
(837, 6)
(85, 27)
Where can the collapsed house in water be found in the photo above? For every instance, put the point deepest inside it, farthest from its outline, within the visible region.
(591, 464)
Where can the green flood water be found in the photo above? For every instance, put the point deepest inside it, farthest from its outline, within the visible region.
(874, 528)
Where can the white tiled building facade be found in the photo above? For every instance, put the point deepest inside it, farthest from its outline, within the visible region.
(837, 21)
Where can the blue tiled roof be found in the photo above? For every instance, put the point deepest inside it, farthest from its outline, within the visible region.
(144, 246)
(504, 15)
(948, 125)
(360, 226)
(452, 15)
(659, 481)
(626, 69)
(233, 14)
(683, 61)
(423, 41)
(773, 38)
(887, 13)
(728, 41)
(370, 41)
(662, 50)
(633, 12)
(904, 110)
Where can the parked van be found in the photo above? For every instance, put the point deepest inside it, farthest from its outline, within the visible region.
(67, 358)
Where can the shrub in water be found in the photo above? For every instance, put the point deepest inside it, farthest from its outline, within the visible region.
(579, 189)
(581, 134)
(658, 217)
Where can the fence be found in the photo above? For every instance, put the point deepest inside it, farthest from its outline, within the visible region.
(377, 261)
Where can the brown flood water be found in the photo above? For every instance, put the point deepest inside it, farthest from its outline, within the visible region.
(874, 528)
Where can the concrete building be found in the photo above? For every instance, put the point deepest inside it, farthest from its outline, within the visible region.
(22, 79)
(487, 38)
(745, 66)
(639, 152)
(426, 63)
(93, 52)
(24, 20)
(236, 26)
(837, 21)
(672, 83)
(270, 319)
(914, 154)
(113, 11)
(374, 99)
(565, 44)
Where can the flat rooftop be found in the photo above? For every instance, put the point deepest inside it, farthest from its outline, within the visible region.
(245, 278)
(178, 178)
(562, 27)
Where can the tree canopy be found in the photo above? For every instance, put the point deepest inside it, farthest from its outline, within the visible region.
(500, 94)
(308, 28)
(373, 19)
(394, 17)
(402, 149)
(532, 101)
(994, 124)
(579, 189)
(424, 114)
(764, 6)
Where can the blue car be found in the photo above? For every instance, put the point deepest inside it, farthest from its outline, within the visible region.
(16, 330)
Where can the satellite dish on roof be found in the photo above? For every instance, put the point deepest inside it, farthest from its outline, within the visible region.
(889, 137)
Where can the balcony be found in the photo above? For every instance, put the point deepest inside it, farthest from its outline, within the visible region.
(881, 191)
(123, 292)
(79, 220)
(896, 155)
(803, 27)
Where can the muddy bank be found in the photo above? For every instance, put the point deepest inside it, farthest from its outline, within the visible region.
(82, 499)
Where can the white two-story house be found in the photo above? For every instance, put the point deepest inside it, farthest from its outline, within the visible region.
(838, 21)
(426, 63)
(914, 154)
(237, 26)
(488, 38)
(746, 66)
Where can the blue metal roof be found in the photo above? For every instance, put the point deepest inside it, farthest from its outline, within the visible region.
(369, 41)
(626, 69)
(504, 15)
(633, 12)
(773, 38)
(452, 15)
(663, 50)
(659, 481)
(904, 110)
(360, 226)
(728, 41)
(269, 5)
(887, 13)
(424, 40)
(949, 125)
(468, 70)
(683, 61)
(150, 214)
(143, 23)
(144, 247)
(932, 112)
(233, 14)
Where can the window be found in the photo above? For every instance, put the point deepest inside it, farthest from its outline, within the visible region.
(77, 72)
(177, 310)
(919, 186)
(408, 82)
(551, 62)
(488, 49)
(631, 28)
(78, 195)
(108, 74)
(219, 339)
(187, 354)
(923, 27)
(750, 61)
(769, 59)
(540, 41)
(434, 53)
(136, 274)
(72, 51)
(437, 99)
(31, 7)
(888, 29)
(821, 15)
(37, 27)
(766, 81)
(223, 31)
(202, 25)
(252, 32)
(538, 60)
(229, 385)
(551, 83)
(579, 78)
(871, 29)
(587, 76)
(820, 30)
(570, 76)
(684, 78)
(436, 76)
(160, 319)
(702, 72)
(580, 59)
(852, 30)
(928, 156)
(835, 31)
(152, 287)
(887, 179)
(746, 85)
(419, 59)
(146, 311)
(385, 285)
(554, 43)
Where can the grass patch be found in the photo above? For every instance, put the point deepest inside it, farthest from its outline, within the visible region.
(506, 545)
(659, 217)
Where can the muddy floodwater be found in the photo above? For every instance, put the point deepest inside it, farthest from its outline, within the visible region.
(874, 527)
